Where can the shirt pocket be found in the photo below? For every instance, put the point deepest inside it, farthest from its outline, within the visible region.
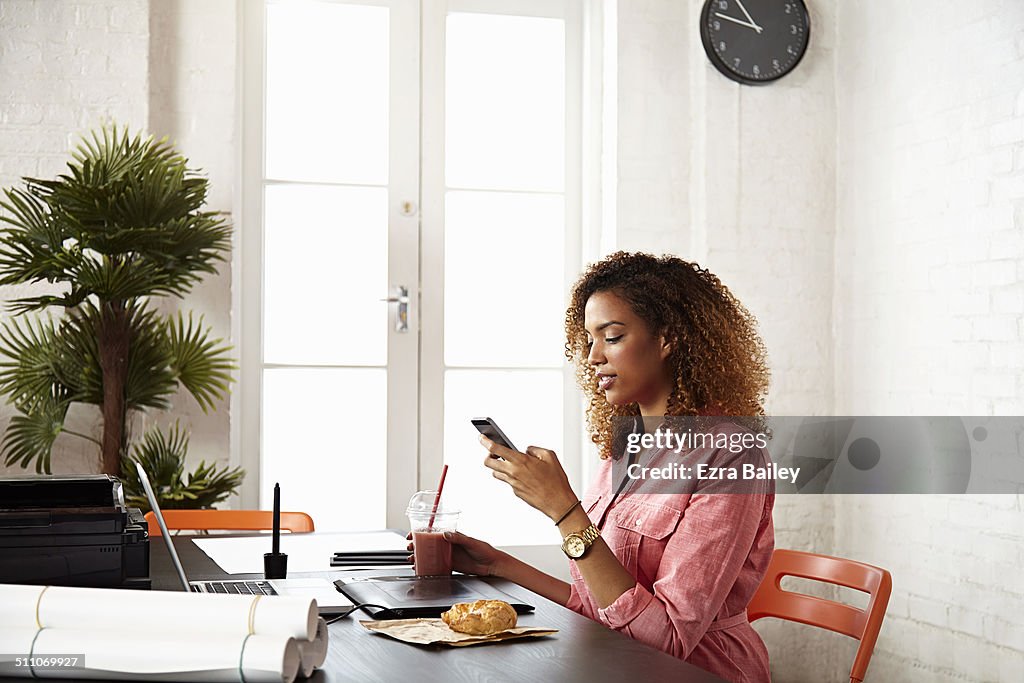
(642, 532)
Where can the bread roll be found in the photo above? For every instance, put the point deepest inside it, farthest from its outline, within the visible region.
(480, 617)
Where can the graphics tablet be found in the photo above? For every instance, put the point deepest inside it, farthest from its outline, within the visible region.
(410, 597)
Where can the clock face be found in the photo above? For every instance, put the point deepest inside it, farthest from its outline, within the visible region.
(755, 41)
(574, 546)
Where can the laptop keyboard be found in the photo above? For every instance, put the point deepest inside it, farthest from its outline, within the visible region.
(240, 587)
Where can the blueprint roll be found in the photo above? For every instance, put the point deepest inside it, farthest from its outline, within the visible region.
(142, 656)
(15, 643)
(86, 609)
(313, 653)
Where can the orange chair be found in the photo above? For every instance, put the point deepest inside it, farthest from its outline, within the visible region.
(771, 600)
(229, 520)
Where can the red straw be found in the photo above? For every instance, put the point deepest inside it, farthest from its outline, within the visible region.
(437, 498)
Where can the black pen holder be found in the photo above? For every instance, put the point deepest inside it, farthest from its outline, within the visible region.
(275, 565)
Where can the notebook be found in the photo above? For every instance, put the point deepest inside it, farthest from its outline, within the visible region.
(328, 599)
(410, 597)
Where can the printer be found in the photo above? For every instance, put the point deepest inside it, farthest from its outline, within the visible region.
(71, 530)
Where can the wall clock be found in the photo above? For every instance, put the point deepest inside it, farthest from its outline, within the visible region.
(755, 41)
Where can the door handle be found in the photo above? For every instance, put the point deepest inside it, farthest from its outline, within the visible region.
(402, 315)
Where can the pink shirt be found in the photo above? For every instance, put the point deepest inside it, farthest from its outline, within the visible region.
(697, 558)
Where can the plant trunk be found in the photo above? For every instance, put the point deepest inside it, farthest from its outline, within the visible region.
(113, 339)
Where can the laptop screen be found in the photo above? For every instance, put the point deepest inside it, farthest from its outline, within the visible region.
(163, 526)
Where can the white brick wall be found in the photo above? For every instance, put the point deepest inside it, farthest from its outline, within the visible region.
(168, 67)
(930, 175)
(66, 66)
(869, 210)
(652, 145)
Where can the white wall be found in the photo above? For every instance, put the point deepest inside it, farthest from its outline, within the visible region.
(166, 67)
(930, 310)
(193, 100)
(869, 210)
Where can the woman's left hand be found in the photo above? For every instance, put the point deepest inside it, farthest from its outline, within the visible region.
(535, 476)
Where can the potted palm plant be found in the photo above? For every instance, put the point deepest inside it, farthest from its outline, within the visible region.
(123, 228)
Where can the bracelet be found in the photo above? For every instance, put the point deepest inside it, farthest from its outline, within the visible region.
(571, 508)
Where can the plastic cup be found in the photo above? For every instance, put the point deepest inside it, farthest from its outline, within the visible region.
(432, 554)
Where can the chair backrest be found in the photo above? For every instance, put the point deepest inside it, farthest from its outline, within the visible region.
(771, 600)
(229, 520)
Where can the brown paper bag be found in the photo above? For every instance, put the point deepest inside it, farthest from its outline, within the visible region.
(435, 631)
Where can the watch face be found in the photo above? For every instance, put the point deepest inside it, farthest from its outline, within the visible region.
(574, 546)
(755, 41)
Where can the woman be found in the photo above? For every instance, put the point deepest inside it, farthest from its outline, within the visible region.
(651, 337)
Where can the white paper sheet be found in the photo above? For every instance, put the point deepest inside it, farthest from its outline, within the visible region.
(306, 552)
(62, 607)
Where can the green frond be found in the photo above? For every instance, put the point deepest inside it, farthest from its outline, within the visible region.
(114, 280)
(125, 221)
(162, 456)
(195, 244)
(111, 154)
(30, 435)
(210, 484)
(76, 355)
(32, 249)
(38, 303)
(27, 372)
(150, 381)
(203, 366)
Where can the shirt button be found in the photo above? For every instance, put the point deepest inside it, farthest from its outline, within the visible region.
(637, 522)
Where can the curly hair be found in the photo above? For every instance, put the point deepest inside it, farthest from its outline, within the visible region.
(717, 357)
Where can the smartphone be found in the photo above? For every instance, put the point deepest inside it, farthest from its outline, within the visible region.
(492, 431)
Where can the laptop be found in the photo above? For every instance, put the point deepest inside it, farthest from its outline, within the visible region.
(328, 599)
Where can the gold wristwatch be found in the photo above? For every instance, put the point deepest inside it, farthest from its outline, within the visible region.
(576, 544)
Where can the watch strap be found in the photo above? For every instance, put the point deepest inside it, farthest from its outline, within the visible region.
(590, 534)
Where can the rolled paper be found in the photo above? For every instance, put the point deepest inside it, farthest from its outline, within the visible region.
(18, 604)
(15, 643)
(313, 653)
(138, 655)
(268, 659)
(84, 609)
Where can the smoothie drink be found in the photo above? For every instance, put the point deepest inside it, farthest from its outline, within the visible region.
(432, 554)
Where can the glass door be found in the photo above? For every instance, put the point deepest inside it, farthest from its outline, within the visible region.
(501, 226)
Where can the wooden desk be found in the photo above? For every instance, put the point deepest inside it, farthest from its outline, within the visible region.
(582, 650)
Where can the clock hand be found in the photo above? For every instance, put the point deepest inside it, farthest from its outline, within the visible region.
(749, 18)
(737, 21)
